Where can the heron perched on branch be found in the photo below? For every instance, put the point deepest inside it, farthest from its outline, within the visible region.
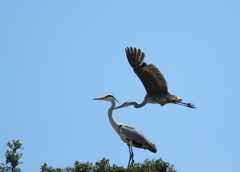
(153, 81)
(128, 134)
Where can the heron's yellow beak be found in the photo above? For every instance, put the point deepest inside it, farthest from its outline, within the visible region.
(101, 98)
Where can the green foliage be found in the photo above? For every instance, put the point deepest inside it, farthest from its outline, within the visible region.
(12, 157)
(46, 168)
(104, 166)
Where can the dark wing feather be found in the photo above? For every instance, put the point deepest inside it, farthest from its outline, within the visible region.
(139, 140)
(152, 79)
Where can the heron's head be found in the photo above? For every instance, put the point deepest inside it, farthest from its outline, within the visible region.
(108, 97)
(125, 105)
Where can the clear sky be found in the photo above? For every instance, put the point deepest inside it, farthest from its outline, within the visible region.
(56, 56)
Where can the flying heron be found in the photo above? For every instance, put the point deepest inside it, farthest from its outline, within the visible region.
(128, 134)
(153, 81)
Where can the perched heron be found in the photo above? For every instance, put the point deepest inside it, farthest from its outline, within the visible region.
(128, 134)
(153, 81)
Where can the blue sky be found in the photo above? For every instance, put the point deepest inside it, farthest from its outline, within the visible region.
(56, 56)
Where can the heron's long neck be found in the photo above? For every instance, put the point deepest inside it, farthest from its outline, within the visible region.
(136, 105)
(113, 122)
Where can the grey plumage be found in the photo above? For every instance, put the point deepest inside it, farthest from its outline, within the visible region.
(139, 140)
(153, 81)
(128, 134)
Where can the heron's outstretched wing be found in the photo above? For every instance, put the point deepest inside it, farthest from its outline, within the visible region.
(139, 140)
(152, 79)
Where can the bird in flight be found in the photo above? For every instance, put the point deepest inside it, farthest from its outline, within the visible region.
(153, 81)
(128, 134)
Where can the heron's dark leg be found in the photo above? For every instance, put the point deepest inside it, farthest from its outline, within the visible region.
(131, 161)
(186, 104)
(130, 155)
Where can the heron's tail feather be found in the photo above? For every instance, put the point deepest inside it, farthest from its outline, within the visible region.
(152, 148)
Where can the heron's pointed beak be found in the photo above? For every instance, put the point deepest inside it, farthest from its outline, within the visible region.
(101, 98)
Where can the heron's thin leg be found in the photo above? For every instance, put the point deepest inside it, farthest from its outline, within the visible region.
(186, 104)
(131, 161)
(130, 155)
